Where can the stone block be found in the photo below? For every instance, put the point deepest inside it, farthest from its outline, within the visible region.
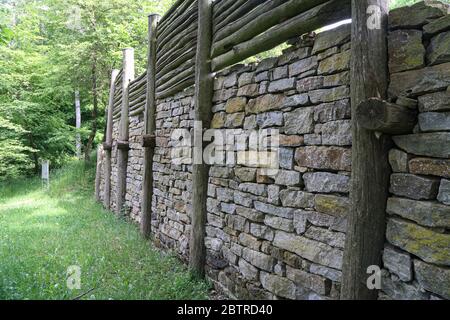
(248, 271)
(414, 83)
(334, 239)
(299, 121)
(265, 103)
(279, 223)
(269, 119)
(332, 205)
(296, 199)
(439, 49)
(434, 121)
(332, 111)
(235, 105)
(329, 95)
(309, 249)
(414, 187)
(438, 101)
(327, 158)
(325, 182)
(425, 243)
(398, 160)
(444, 192)
(337, 133)
(278, 285)
(303, 66)
(288, 178)
(417, 15)
(334, 64)
(258, 259)
(433, 278)
(406, 51)
(430, 167)
(434, 144)
(425, 213)
(398, 263)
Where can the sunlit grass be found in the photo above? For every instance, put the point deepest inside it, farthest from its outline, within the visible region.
(43, 232)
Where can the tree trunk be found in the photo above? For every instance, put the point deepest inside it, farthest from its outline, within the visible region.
(78, 124)
(87, 152)
(370, 168)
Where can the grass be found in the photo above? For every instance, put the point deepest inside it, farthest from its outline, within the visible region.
(43, 233)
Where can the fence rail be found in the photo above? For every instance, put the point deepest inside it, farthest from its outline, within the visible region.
(240, 29)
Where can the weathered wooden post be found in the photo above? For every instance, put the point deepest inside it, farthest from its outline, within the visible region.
(148, 141)
(122, 142)
(78, 123)
(100, 157)
(45, 174)
(203, 114)
(370, 169)
(107, 146)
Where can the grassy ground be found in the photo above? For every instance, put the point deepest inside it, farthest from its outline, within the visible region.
(43, 233)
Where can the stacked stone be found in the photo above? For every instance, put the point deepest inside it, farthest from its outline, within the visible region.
(135, 168)
(282, 235)
(172, 181)
(102, 171)
(114, 168)
(417, 253)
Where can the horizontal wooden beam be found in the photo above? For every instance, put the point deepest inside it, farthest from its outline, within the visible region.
(259, 21)
(107, 146)
(123, 145)
(375, 114)
(148, 141)
(320, 16)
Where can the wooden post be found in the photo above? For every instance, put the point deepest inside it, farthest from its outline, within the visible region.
(370, 169)
(203, 114)
(107, 146)
(379, 115)
(78, 123)
(100, 154)
(149, 128)
(122, 143)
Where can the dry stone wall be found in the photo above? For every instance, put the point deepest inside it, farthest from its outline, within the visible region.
(135, 168)
(416, 256)
(282, 235)
(172, 181)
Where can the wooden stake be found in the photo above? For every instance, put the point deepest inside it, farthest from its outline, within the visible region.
(203, 114)
(122, 159)
(379, 115)
(149, 128)
(108, 143)
(78, 123)
(370, 169)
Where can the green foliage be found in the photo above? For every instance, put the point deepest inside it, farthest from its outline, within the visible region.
(42, 233)
(48, 50)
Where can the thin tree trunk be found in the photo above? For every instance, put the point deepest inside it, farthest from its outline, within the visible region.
(87, 155)
(78, 123)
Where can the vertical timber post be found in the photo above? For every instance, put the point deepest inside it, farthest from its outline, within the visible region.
(122, 143)
(78, 123)
(203, 106)
(149, 128)
(107, 146)
(370, 169)
(100, 158)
